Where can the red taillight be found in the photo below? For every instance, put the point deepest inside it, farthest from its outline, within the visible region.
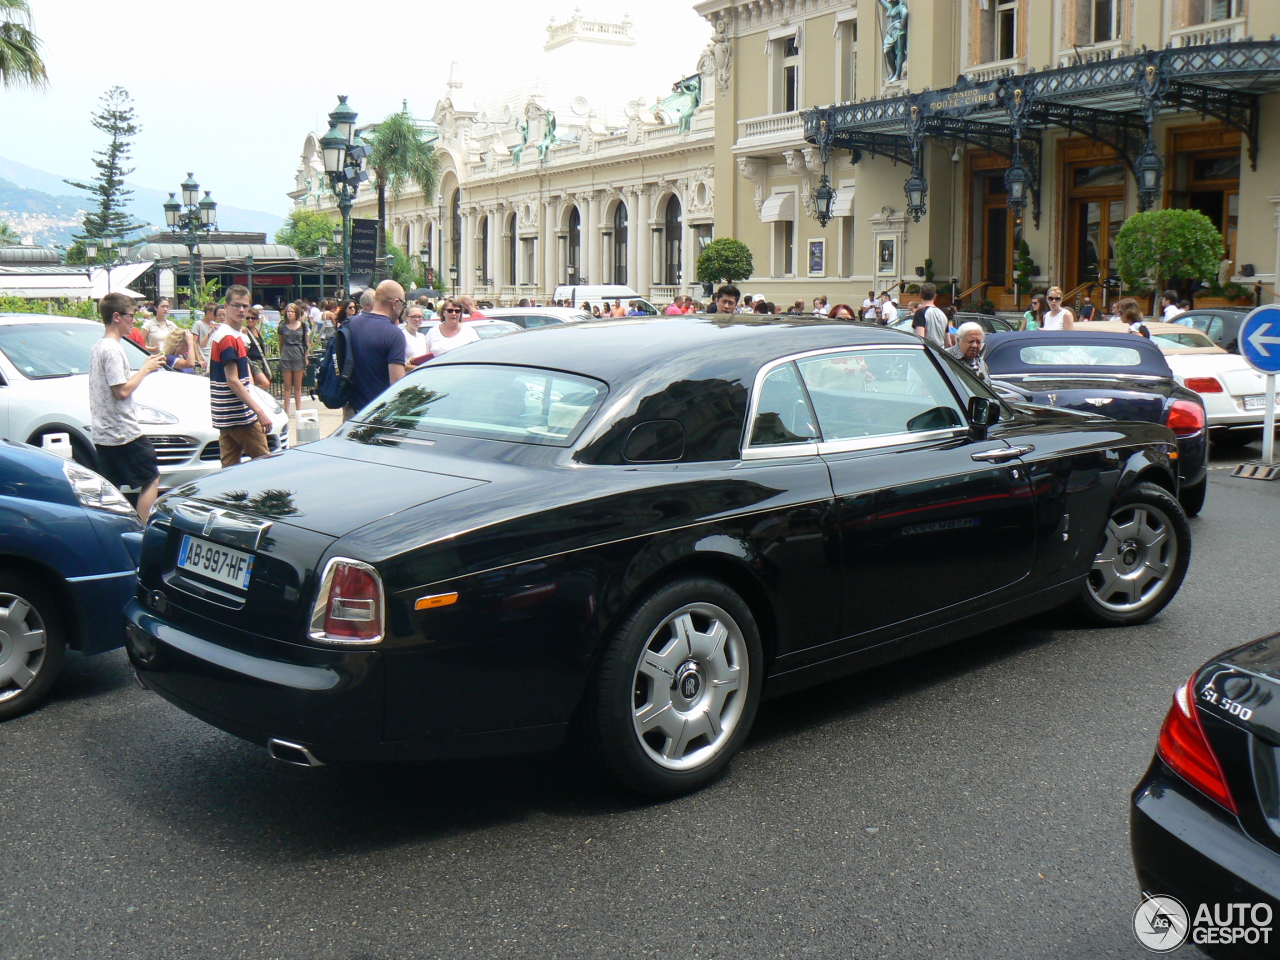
(1185, 418)
(348, 608)
(1185, 748)
(1204, 384)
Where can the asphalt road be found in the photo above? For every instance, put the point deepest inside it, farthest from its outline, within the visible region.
(970, 804)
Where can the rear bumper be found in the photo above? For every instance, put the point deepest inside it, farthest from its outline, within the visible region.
(1187, 847)
(330, 701)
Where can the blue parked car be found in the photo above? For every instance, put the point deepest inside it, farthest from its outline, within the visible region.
(69, 544)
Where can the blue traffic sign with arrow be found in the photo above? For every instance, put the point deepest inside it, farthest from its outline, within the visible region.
(1260, 339)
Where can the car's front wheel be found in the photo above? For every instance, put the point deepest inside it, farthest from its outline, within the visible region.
(677, 688)
(1145, 551)
(32, 644)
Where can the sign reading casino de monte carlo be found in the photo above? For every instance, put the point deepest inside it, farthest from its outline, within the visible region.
(959, 101)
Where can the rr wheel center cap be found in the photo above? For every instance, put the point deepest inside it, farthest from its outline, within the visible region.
(688, 682)
(1130, 554)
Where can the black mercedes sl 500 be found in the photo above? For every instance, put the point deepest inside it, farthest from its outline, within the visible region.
(1120, 375)
(1205, 820)
(632, 530)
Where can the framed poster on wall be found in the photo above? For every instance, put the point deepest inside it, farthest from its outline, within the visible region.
(817, 258)
(887, 255)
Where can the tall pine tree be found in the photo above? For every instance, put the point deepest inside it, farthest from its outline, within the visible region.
(109, 219)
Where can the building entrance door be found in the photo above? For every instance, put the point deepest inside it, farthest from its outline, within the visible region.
(1095, 213)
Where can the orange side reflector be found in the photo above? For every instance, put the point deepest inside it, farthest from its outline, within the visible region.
(1173, 455)
(435, 600)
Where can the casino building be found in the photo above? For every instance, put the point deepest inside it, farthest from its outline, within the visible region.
(939, 134)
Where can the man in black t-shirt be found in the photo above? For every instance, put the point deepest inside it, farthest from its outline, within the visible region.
(377, 346)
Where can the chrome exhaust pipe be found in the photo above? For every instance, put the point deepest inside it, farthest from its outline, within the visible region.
(292, 753)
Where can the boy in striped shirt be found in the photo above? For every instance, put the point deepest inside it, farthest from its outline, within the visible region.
(242, 424)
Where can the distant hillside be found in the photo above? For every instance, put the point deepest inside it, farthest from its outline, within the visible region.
(16, 199)
(145, 204)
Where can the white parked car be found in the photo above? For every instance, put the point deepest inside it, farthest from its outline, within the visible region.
(530, 317)
(1234, 394)
(44, 389)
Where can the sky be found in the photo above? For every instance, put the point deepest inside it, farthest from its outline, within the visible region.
(229, 89)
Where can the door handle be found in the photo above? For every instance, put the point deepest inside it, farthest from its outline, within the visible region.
(1000, 456)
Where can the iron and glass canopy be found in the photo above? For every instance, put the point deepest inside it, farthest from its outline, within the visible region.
(1115, 102)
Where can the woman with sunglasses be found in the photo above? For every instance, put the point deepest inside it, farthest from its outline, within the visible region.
(1058, 317)
(451, 332)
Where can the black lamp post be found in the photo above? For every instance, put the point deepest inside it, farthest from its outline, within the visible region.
(824, 199)
(322, 247)
(90, 255)
(344, 156)
(1017, 182)
(453, 277)
(190, 218)
(916, 188)
(248, 269)
(1149, 169)
(390, 261)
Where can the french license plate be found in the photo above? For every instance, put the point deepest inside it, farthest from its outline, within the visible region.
(218, 563)
(1259, 402)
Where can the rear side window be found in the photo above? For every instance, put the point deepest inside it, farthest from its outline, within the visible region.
(783, 413)
(875, 393)
(535, 320)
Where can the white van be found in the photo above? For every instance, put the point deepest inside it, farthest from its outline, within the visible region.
(597, 294)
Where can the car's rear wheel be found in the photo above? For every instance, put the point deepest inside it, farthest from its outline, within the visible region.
(1142, 561)
(677, 688)
(32, 644)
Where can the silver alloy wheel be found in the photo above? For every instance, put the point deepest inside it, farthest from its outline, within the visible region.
(690, 686)
(1137, 558)
(23, 645)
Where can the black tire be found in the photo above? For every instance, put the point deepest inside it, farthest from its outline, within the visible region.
(1192, 497)
(625, 697)
(1142, 560)
(32, 644)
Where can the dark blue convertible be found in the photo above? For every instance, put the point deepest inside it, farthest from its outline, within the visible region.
(1119, 375)
(68, 551)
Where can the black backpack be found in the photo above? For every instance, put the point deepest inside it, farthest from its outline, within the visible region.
(333, 378)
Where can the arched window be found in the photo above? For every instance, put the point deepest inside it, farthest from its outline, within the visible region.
(620, 243)
(672, 246)
(575, 247)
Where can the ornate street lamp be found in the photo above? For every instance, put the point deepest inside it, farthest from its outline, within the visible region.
(90, 254)
(453, 277)
(916, 188)
(390, 261)
(191, 218)
(1149, 169)
(823, 199)
(344, 154)
(248, 268)
(1017, 182)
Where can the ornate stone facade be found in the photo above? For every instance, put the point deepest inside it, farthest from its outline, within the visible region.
(548, 185)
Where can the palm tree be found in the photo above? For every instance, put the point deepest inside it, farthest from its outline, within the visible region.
(400, 156)
(20, 63)
(8, 235)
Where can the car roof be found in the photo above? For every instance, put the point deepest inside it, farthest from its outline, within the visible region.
(693, 346)
(14, 318)
(564, 313)
(1003, 357)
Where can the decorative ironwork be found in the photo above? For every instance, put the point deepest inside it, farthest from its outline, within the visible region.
(1115, 102)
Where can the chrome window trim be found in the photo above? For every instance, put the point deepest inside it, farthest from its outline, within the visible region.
(793, 450)
(319, 609)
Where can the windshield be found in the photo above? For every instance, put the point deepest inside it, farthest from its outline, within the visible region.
(43, 350)
(1079, 355)
(494, 401)
(1182, 341)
